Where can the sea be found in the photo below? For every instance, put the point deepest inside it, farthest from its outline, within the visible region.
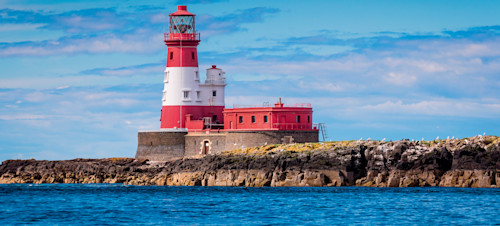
(116, 204)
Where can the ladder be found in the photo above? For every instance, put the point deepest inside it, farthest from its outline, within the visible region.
(207, 121)
(322, 129)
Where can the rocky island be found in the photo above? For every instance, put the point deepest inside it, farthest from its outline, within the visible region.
(470, 162)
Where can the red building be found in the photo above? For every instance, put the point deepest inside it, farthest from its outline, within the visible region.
(277, 117)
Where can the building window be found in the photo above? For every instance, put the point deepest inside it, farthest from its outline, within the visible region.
(298, 118)
(171, 55)
(265, 118)
(214, 93)
(197, 95)
(308, 119)
(166, 76)
(241, 119)
(253, 118)
(192, 55)
(196, 75)
(186, 94)
(214, 119)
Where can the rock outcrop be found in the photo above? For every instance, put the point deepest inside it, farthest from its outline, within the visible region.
(471, 162)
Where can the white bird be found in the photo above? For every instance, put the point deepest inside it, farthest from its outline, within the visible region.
(360, 139)
(466, 141)
(453, 137)
(448, 137)
(422, 139)
(383, 140)
(369, 138)
(484, 134)
(437, 138)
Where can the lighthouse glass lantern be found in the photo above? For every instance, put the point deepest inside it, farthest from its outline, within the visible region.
(182, 24)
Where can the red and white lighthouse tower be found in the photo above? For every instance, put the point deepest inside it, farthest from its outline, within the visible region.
(185, 100)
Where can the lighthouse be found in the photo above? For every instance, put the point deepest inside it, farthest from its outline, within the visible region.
(193, 118)
(187, 103)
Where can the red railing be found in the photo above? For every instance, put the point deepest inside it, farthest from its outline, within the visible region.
(299, 105)
(181, 36)
(251, 106)
(292, 126)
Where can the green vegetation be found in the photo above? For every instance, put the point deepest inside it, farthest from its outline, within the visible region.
(310, 148)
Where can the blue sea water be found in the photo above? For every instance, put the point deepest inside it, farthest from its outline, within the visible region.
(106, 204)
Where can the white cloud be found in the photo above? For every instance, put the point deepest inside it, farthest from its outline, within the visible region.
(326, 86)
(400, 79)
(141, 41)
(446, 107)
(22, 117)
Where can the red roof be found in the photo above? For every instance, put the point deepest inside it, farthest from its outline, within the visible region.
(181, 11)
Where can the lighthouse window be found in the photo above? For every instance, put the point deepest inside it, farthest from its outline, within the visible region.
(241, 119)
(308, 118)
(186, 94)
(298, 118)
(265, 118)
(196, 75)
(171, 55)
(192, 55)
(214, 93)
(253, 118)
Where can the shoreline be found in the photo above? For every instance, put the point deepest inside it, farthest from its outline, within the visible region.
(470, 162)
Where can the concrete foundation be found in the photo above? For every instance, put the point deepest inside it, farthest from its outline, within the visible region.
(171, 145)
(160, 145)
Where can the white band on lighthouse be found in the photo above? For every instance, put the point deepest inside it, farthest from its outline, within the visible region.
(182, 87)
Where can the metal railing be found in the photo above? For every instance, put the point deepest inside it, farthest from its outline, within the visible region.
(181, 36)
(217, 81)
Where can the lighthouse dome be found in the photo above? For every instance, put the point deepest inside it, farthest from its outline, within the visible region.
(215, 75)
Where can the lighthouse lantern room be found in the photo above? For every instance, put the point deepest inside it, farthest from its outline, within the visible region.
(186, 103)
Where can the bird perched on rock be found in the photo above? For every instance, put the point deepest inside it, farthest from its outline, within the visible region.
(437, 138)
(383, 140)
(466, 141)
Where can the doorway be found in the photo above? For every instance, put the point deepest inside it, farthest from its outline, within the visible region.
(206, 147)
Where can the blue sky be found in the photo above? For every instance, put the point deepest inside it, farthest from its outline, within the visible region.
(79, 78)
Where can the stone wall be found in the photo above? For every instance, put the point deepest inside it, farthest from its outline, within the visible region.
(196, 141)
(167, 146)
(245, 139)
(160, 145)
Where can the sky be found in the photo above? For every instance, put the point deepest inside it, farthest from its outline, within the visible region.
(78, 79)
